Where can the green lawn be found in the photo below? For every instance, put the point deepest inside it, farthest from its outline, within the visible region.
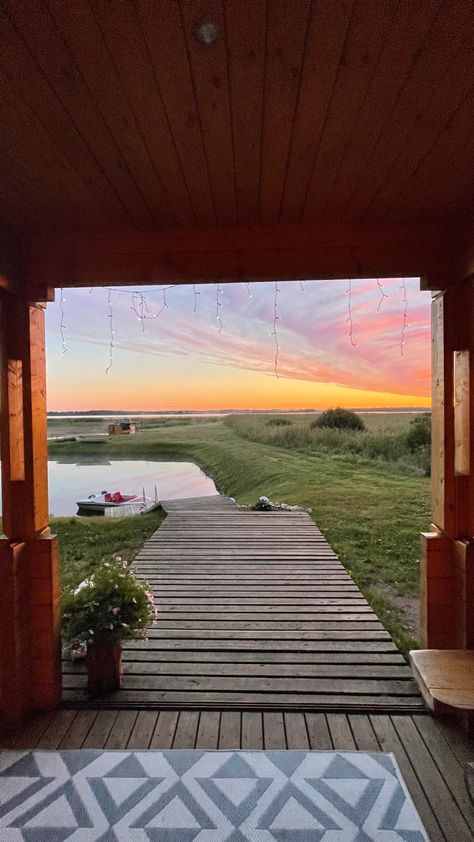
(370, 514)
(87, 542)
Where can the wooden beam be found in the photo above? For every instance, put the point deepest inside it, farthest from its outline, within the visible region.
(29, 565)
(462, 399)
(232, 254)
(9, 260)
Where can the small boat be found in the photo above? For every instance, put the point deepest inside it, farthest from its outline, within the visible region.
(105, 500)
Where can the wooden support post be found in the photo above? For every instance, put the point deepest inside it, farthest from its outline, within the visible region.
(30, 675)
(447, 567)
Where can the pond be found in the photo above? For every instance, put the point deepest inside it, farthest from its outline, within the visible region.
(71, 481)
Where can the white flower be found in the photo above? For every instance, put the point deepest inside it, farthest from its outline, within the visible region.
(85, 584)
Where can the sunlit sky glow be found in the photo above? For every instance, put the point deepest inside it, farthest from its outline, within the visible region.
(182, 362)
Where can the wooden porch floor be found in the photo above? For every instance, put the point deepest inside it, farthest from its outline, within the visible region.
(430, 752)
(256, 612)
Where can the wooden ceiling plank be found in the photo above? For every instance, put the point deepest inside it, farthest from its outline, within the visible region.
(15, 209)
(287, 27)
(326, 36)
(39, 31)
(27, 80)
(161, 24)
(35, 205)
(245, 22)
(124, 36)
(82, 33)
(445, 177)
(369, 29)
(428, 128)
(31, 148)
(431, 94)
(211, 87)
(408, 30)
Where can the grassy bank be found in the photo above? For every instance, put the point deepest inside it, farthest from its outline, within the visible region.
(370, 514)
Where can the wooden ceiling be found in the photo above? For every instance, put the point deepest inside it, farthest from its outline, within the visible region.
(114, 114)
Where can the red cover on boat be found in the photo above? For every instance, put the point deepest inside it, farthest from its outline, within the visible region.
(116, 497)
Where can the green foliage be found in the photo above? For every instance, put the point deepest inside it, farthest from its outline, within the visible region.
(341, 419)
(419, 434)
(110, 604)
(279, 422)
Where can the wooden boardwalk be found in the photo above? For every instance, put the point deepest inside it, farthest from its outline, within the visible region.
(255, 612)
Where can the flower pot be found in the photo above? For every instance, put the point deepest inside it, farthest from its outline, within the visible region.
(104, 666)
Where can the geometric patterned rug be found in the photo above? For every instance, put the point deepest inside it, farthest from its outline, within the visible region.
(204, 796)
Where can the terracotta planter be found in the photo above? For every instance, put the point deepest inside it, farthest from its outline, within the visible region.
(104, 667)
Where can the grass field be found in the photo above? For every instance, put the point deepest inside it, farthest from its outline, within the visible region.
(370, 512)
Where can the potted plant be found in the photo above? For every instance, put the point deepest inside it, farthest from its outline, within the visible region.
(108, 607)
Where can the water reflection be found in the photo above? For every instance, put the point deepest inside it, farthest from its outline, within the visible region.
(70, 480)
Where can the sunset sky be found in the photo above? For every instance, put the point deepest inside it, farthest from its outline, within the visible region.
(181, 361)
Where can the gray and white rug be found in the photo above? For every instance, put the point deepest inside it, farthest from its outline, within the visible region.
(204, 796)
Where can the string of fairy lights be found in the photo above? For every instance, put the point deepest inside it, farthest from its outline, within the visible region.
(140, 306)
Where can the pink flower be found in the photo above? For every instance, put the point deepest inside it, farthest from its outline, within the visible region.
(115, 610)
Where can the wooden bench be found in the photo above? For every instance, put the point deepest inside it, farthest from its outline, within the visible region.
(445, 678)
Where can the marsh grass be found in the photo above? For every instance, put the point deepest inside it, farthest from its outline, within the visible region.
(375, 444)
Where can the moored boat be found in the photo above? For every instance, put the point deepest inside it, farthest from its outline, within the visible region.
(97, 503)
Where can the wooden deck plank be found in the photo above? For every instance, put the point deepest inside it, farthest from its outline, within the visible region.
(121, 729)
(389, 740)
(446, 761)
(30, 733)
(100, 729)
(165, 729)
(340, 730)
(363, 732)
(54, 733)
(318, 732)
(186, 729)
(208, 731)
(143, 730)
(296, 731)
(252, 729)
(274, 731)
(230, 730)
(78, 729)
(436, 788)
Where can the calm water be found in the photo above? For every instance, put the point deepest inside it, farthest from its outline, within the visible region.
(69, 482)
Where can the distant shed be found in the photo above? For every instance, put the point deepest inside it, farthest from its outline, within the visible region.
(124, 427)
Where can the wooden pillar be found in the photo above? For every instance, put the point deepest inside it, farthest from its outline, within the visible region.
(29, 578)
(447, 567)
